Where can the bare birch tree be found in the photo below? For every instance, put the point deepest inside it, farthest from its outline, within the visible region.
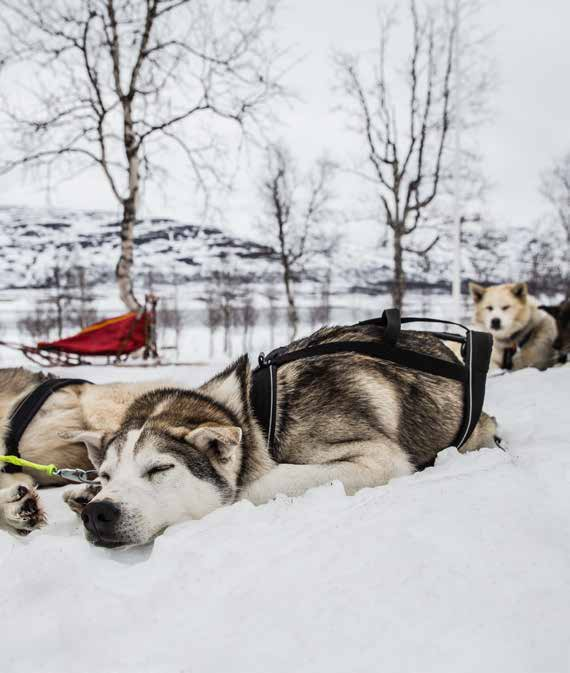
(487, 252)
(270, 293)
(115, 84)
(555, 187)
(213, 318)
(403, 144)
(298, 208)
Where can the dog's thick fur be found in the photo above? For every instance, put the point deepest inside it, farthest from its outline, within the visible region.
(515, 320)
(80, 407)
(180, 454)
(561, 314)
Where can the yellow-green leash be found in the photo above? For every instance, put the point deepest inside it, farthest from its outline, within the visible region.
(20, 462)
(77, 475)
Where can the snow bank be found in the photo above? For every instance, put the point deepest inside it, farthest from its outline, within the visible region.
(464, 567)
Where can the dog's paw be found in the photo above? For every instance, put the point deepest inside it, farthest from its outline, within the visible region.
(22, 511)
(78, 497)
(16, 493)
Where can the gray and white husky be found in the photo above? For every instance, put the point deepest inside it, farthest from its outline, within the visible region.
(180, 454)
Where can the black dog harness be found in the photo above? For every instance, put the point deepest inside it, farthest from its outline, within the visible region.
(476, 350)
(25, 412)
(515, 346)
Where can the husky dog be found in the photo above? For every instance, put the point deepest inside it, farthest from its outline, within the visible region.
(523, 334)
(180, 454)
(71, 409)
(561, 314)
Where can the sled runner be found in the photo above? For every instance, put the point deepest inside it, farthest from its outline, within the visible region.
(114, 338)
(476, 351)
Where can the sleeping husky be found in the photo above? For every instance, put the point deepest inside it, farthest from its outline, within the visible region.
(180, 454)
(523, 334)
(71, 409)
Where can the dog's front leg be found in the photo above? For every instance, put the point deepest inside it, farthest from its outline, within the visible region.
(77, 497)
(294, 480)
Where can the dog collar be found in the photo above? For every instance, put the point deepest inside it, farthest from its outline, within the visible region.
(25, 412)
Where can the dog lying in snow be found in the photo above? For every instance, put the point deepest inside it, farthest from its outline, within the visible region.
(80, 407)
(523, 334)
(180, 454)
(561, 314)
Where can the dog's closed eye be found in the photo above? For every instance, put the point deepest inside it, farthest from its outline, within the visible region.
(157, 469)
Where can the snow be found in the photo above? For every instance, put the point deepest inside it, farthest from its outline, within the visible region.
(463, 567)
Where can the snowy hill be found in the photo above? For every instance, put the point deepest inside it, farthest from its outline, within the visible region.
(462, 568)
(33, 240)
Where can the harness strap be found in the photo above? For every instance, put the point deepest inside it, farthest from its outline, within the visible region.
(392, 325)
(406, 358)
(264, 400)
(388, 321)
(25, 412)
(477, 347)
(509, 353)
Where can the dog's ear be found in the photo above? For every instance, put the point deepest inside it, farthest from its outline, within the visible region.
(554, 311)
(231, 387)
(520, 290)
(477, 292)
(218, 442)
(93, 440)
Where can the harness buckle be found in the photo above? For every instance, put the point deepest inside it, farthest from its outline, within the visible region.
(77, 475)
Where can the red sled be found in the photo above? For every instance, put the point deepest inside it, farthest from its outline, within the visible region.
(114, 338)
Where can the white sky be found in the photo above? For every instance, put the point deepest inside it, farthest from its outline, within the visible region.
(531, 123)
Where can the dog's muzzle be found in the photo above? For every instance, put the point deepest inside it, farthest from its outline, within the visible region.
(100, 519)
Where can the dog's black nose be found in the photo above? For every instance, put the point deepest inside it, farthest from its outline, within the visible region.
(100, 517)
(496, 323)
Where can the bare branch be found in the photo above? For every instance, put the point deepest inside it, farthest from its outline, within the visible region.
(405, 168)
(296, 207)
(115, 83)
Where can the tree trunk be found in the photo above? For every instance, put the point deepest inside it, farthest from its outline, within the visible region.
(124, 268)
(568, 262)
(58, 302)
(81, 281)
(399, 282)
(273, 316)
(292, 315)
(227, 310)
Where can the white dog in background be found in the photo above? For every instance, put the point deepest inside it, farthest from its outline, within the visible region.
(523, 334)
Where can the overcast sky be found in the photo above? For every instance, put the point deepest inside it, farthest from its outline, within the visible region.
(531, 122)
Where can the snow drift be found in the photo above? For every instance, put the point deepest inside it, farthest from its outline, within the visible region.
(463, 567)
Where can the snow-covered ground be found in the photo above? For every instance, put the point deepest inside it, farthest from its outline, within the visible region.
(464, 567)
(197, 344)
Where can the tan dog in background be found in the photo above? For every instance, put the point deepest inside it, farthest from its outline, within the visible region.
(523, 334)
